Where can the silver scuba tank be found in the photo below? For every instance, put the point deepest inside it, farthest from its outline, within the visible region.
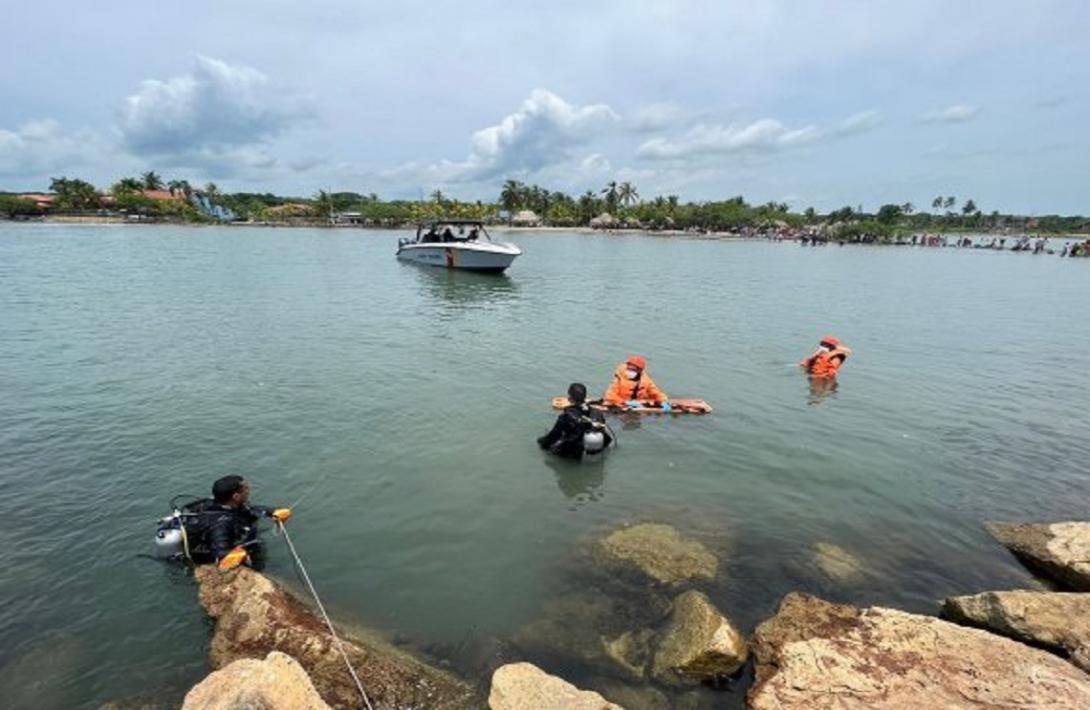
(594, 442)
(168, 538)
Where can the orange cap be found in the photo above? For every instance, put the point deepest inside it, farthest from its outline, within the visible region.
(637, 361)
(831, 340)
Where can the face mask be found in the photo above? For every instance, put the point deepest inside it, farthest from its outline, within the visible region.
(631, 374)
(827, 348)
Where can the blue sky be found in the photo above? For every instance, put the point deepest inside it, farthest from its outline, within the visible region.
(813, 103)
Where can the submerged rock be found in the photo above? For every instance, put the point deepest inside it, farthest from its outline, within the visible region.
(1059, 551)
(698, 643)
(1057, 621)
(630, 651)
(524, 686)
(817, 654)
(837, 563)
(660, 552)
(275, 683)
(255, 616)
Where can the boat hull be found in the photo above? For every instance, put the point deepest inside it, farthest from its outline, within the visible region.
(489, 260)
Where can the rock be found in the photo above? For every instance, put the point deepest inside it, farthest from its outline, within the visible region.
(817, 654)
(1059, 551)
(255, 616)
(630, 652)
(837, 563)
(276, 683)
(698, 643)
(1057, 621)
(524, 686)
(660, 552)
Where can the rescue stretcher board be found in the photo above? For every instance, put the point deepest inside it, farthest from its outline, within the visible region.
(678, 406)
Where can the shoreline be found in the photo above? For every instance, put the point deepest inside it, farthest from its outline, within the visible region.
(585, 230)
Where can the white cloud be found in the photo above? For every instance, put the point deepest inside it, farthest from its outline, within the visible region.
(542, 132)
(40, 147)
(214, 110)
(656, 117)
(765, 135)
(595, 163)
(951, 114)
(860, 122)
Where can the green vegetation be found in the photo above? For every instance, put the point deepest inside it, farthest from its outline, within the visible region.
(620, 200)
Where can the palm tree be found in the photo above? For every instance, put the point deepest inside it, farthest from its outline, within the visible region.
(211, 190)
(936, 203)
(437, 197)
(627, 194)
(152, 181)
(179, 187)
(949, 202)
(610, 191)
(969, 207)
(127, 186)
(908, 208)
(511, 196)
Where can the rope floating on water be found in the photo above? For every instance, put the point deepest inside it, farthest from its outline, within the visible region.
(332, 632)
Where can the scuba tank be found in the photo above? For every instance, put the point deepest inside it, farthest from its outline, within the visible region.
(169, 537)
(594, 441)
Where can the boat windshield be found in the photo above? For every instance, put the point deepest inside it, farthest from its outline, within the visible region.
(447, 232)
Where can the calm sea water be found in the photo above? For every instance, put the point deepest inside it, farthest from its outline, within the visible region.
(138, 363)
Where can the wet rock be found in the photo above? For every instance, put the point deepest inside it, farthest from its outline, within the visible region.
(1057, 621)
(660, 552)
(255, 616)
(275, 683)
(630, 652)
(524, 686)
(697, 644)
(1059, 551)
(837, 563)
(817, 654)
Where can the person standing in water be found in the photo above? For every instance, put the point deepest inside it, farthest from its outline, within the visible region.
(632, 387)
(569, 436)
(827, 359)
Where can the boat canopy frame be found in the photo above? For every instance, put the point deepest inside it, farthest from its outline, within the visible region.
(436, 227)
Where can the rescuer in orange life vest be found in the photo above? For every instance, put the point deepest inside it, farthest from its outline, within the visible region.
(632, 387)
(828, 358)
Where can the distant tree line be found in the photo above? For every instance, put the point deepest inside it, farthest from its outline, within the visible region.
(620, 200)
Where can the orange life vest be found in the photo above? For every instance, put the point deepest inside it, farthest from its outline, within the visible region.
(642, 389)
(825, 363)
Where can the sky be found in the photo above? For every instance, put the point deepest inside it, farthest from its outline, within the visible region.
(815, 103)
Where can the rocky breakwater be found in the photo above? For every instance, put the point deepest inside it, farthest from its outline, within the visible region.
(524, 686)
(815, 654)
(1059, 551)
(276, 683)
(255, 616)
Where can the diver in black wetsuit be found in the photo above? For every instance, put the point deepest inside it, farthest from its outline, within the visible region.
(578, 430)
(228, 521)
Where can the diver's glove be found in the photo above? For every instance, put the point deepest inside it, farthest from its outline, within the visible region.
(633, 404)
(666, 407)
(282, 514)
(233, 559)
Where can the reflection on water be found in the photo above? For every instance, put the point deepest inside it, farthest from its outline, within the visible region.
(821, 388)
(457, 291)
(579, 481)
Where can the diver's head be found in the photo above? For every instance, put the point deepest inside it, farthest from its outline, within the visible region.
(830, 342)
(231, 491)
(577, 393)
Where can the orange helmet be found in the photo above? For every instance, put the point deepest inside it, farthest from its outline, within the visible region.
(637, 361)
(831, 340)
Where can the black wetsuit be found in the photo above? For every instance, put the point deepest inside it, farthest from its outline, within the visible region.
(566, 437)
(216, 529)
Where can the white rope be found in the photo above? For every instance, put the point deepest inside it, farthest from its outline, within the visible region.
(332, 632)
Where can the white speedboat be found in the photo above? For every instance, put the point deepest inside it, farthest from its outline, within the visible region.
(457, 244)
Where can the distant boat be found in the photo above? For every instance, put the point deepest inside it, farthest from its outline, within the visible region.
(457, 244)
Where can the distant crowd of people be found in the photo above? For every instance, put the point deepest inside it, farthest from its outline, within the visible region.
(1038, 245)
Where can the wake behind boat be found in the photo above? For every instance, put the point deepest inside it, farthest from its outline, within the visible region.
(457, 244)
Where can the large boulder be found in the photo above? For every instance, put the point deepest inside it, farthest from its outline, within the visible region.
(524, 686)
(1058, 621)
(1059, 551)
(697, 644)
(275, 683)
(815, 654)
(658, 551)
(255, 616)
